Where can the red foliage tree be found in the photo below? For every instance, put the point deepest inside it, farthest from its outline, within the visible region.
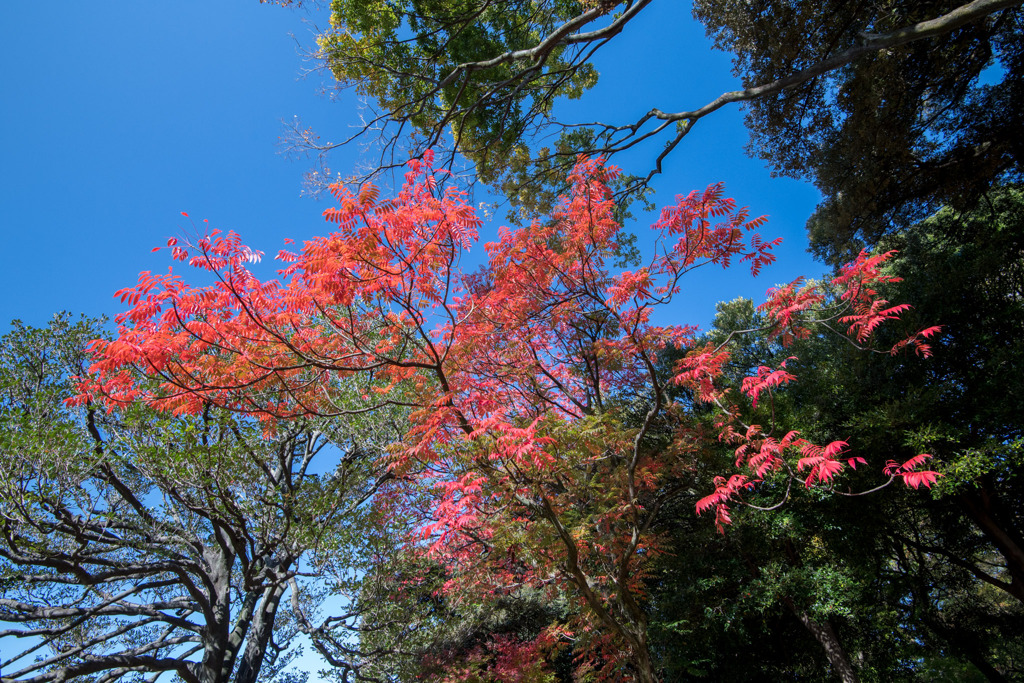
(519, 375)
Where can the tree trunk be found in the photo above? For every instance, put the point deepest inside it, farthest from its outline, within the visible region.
(259, 636)
(981, 508)
(826, 635)
(644, 665)
(219, 655)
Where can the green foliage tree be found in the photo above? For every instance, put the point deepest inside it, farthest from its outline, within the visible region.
(137, 542)
(885, 88)
(892, 136)
(964, 269)
(779, 581)
(927, 587)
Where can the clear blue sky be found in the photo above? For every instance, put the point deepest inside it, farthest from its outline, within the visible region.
(119, 115)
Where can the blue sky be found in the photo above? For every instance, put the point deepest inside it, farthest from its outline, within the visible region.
(118, 116)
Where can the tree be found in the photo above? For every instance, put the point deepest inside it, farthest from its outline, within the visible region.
(905, 581)
(893, 136)
(429, 631)
(949, 563)
(480, 78)
(520, 377)
(137, 542)
(962, 268)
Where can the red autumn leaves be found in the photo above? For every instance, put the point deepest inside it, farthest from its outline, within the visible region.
(513, 375)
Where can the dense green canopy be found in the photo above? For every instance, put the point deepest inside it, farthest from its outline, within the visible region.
(895, 134)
